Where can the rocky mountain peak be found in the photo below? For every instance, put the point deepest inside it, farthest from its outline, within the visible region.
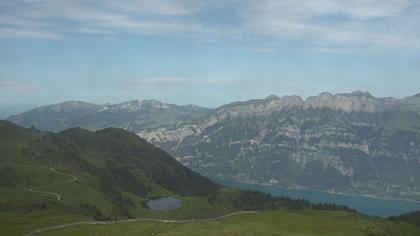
(355, 101)
(417, 95)
(271, 97)
(325, 95)
(72, 103)
(261, 106)
(349, 102)
(68, 106)
(359, 93)
(290, 101)
(136, 105)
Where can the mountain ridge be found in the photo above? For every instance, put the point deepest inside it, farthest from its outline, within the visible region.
(354, 101)
(370, 147)
(128, 115)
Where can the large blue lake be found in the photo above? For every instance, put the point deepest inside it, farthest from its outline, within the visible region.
(365, 205)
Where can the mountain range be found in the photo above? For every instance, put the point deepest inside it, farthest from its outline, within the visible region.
(132, 115)
(350, 143)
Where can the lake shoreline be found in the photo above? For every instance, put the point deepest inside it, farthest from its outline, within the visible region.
(333, 192)
(369, 205)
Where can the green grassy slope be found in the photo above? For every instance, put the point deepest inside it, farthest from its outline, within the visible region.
(115, 173)
(410, 218)
(299, 223)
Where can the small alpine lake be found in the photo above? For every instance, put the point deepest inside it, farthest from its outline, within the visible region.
(164, 203)
(363, 204)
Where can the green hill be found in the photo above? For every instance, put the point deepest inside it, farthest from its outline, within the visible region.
(410, 218)
(48, 179)
(116, 173)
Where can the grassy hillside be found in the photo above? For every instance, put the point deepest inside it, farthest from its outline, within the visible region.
(299, 223)
(116, 173)
(48, 179)
(410, 218)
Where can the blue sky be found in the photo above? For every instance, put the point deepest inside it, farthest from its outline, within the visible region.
(205, 52)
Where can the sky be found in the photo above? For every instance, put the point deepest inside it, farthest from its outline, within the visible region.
(204, 52)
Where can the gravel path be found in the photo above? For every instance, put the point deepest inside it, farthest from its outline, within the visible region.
(36, 188)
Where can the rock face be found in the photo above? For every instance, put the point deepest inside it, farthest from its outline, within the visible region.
(349, 143)
(132, 115)
(356, 101)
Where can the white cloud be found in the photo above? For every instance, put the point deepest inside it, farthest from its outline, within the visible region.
(13, 87)
(335, 22)
(317, 24)
(27, 33)
(60, 17)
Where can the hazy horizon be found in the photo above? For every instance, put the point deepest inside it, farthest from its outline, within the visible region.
(8, 110)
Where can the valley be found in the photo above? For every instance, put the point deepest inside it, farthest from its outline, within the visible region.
(70, 183)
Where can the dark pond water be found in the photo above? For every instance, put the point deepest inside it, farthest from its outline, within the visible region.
(164, 203)
(366, 205)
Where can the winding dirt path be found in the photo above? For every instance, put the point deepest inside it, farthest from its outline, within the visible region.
(57, 227)
(36, 188)
(74, 178)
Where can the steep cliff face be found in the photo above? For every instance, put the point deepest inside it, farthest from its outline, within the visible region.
(349, 143)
